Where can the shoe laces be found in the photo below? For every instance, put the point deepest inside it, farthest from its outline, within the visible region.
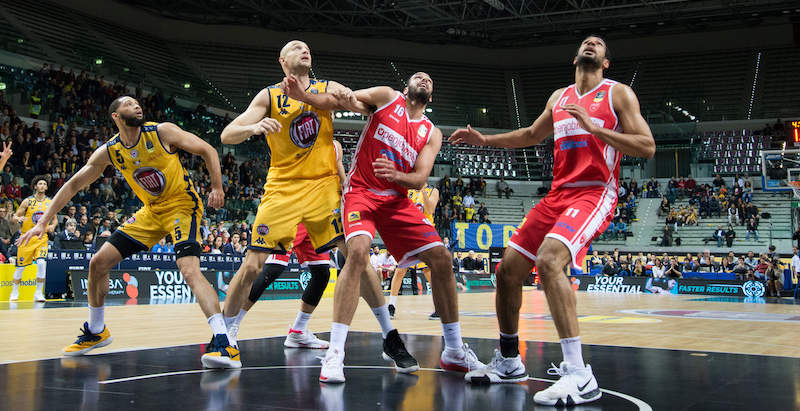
(328, 360)
(496, 360)
(86, 336)
(470, 357)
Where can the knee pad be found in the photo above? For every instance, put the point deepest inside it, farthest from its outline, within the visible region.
(267, 276)
(320, 274)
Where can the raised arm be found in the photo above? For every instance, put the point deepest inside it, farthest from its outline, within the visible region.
(86, 175)
(416, 179)
(5, 155)
(523, 137)
(636, 139)
(252, 122)
(176, 137)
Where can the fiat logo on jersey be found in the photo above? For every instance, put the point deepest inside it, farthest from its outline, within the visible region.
(36, 216)
(304, 129)
(151, 180)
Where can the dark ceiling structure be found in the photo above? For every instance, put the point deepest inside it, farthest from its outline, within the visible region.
(484, 23)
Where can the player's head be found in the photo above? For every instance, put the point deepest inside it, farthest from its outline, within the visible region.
(295, 57)
(126, 110)
(39, 184)
(592, 54)
(419, 88)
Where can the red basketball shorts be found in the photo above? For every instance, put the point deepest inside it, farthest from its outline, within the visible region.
(304, 250)
(574, 216)
(402, 226)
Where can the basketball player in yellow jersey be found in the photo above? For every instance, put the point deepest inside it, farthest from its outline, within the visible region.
(28, 214)
(145, 154)
(426, 200)
(302, 184)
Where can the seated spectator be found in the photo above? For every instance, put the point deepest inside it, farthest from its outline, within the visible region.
(621, 230)
(740, 269)
(691, 217)
(664, 208)
(761, 268)
(483, 214)
(611, 230)
(718, 182)
(638, 269)
(8, 230)
(88, 241)
(624, 271)
(706, 261)
(673, 271)
(503, 188)
(610, 269)
(471, 263)
(234, 246)
(160, 247)
(469, 214)
(69, 234)
(218, 245)
(595, 263)
(468, 201)
(658, 268)
(726, 266)
(752, 229)
(457, 258)
(751, 260)
(718, 236)
(729, 236)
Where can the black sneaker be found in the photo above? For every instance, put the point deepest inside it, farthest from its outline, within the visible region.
(434, 316)
(395, 350)
(391, 311)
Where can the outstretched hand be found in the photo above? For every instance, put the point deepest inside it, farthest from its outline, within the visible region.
(37, 231)
(6, 153)
(467, 136)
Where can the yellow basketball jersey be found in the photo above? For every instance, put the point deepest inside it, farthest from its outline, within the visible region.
(154, 174)
(34, 212)
(416, 198)
(303, 149)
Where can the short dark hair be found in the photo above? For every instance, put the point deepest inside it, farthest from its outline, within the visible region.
(115, 105)
(608, 51)
(37, 179)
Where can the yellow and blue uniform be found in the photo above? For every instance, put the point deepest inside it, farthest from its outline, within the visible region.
(416, 198)
(302, 184)
(37, 247)
(157, 177)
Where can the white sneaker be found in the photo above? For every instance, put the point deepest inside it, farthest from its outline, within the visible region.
(14, 295)
(499, 370)
(576, 386)
(39, 297)
(461, 360)
(303, 339)
(332, 367)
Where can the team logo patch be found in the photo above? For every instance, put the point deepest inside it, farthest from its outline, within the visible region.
(305, 277)
(337, 212)
(134, 153)
(149, 146)
(36, 216)
(599, 96)
(422, 131)
(353, 216)
(151, 180)
(131, 220)
(313, 91)
(262, 229)
(304, 129)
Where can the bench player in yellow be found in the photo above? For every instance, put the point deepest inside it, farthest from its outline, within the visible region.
(28, 214)
(426, 200)
(146, 154)
(302, 185)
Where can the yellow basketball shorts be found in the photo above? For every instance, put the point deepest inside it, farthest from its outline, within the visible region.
(182, 220)
(287, 203)
(35, 249)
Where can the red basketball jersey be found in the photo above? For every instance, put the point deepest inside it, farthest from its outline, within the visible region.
(579, 158)
(389, 132)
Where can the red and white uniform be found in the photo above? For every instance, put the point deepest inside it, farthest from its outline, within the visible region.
(304, 250)
(585, 179)
(371, 203)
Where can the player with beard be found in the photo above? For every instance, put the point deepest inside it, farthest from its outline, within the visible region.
(28, 214)
(146, 154)
(302, 186)
(396, 152)
(594, 122)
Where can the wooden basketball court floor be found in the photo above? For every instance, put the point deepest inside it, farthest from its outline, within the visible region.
(647, 351)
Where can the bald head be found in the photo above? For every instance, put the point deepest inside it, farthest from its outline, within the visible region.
(295, 57)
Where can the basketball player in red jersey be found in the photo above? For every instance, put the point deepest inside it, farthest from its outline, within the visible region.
(594, 122)
(396, 152)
